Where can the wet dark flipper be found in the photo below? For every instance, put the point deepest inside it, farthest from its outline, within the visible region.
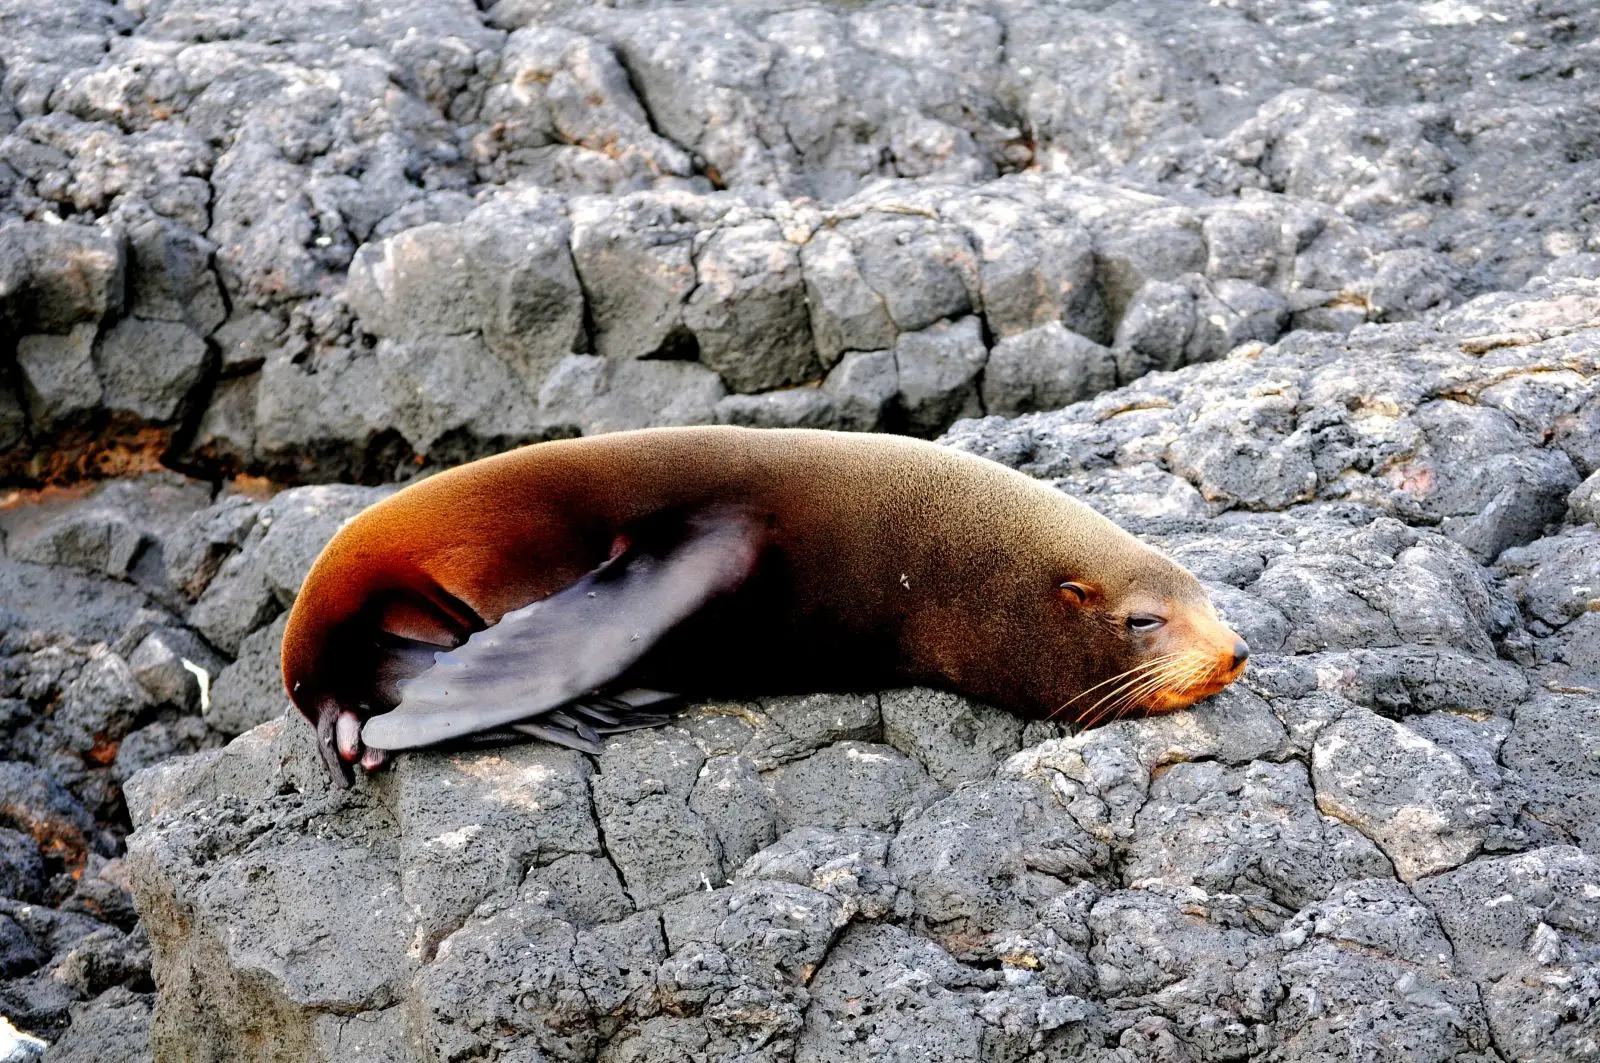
(594, 714)
(636, 698)
(566, 647)
(581, 724)
(576, 726)
(560, 736)
(628, 710)
(397, 663)
(638, 723)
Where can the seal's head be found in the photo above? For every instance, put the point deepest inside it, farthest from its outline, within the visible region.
(1045, 606)
(1155, 639)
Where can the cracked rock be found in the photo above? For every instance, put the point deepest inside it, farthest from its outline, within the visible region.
(512, 282)
(602, 395)
(1254, 831)
(1422, 805)
(853, 784)
(253, 586)
(1370, 966)
(1044, 368)
(1308, 300)
(748, 310)
(148, 368)
(65, 275)
(1552, 752)
(938, 371)
(59, 382)
(1524, 927)
(635, 258)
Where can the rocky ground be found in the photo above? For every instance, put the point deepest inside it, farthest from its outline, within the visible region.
(258, 261)
(224, 223)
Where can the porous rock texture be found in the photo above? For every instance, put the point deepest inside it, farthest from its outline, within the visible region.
(1384, 843)
(346, 240)
(247, 247)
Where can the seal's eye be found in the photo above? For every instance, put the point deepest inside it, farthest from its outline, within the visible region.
(1145, 622)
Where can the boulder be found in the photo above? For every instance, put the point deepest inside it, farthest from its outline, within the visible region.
(148, 368)
(748, 309)
(1044, 368)
(938, 370)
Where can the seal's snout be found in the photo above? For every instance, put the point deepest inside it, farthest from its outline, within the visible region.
(1232, 654)
(1200, 656)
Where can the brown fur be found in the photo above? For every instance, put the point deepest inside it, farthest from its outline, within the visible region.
(885, 560)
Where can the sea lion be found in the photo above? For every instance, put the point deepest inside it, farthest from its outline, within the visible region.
(552, 588)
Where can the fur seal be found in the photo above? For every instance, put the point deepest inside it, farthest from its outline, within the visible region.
(552, 589)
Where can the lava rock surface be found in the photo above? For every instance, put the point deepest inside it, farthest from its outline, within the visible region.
(1381, 843)
(345, 241)
(1308, 294)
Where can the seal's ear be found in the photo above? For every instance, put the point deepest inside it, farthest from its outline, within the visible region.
(561, 648)
(1079, 593)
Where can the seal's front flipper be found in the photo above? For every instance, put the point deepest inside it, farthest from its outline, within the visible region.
(564, 647)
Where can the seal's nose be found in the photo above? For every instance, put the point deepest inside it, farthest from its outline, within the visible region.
(1241, 652)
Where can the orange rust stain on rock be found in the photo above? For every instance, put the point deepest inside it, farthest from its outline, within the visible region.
(259, 488)
(56, 840)
(77, 457)
(22, 497)
(1416, 480)
(103, 752)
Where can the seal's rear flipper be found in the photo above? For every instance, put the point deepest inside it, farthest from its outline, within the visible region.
(581, 724)
(328, 714)
(567, 646)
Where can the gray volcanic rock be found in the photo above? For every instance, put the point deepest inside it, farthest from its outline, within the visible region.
(1522, 926)
(1381, 436)
(34, 803)
(148, 368)
(1339, 264)
(938, 370)
(168, 663)
(196, 549)
(65, 275)
(210, 212)
(57, 377)
(515, 286)
(846, 314)
(1291, 864)
(1584, 502)
(1550, 751)
(634, 255)
(112, 1028)
(21, 868)
(593, 394)
(956, 739)
(748, 311)
(1044, 368)
(1418, 801)
(249, 691)
(789, 408)
(103, 541)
